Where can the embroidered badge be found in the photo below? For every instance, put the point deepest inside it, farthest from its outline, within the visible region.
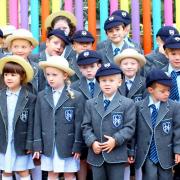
(107, 65)
(171, 32)
(84, 33)
(69, 114)
(24, 116)
(117, 120)
(86, 54)
(124, 14)
(177, 38)
(166, 127)
(138, 98)
(111, 18)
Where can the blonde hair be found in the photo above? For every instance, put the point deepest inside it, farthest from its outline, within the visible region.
(70, 91)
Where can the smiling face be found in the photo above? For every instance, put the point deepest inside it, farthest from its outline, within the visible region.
(174, 57)
(110, 84)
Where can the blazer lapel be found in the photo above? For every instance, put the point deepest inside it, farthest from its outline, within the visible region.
(122, 89)
(3, 107)
(49, 96)
(99, 105)
(84, 88)
(97, 89)
(109, 52)
(68, 50)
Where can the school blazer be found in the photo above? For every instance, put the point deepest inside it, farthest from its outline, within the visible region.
(137, 91)
(82, 86)
(117, 121)
(22, 123)
(60, 125)
(167, 132)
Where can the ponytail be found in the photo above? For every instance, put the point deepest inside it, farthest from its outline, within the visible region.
(70, 91)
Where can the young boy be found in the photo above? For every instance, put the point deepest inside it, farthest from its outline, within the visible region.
(157, 129)
(109, 122)
(81, 40)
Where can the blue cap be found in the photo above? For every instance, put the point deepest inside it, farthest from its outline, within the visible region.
(60, 34)
(166, 31)
(124, 15)
(83, 36)
(159, 76)
(88, 57)
(107, 70)
(113, 21)
(1, 33)
(173, 42)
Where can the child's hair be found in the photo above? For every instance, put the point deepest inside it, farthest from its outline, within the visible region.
(123, 26)
(12, 67)
(56, 19)
(70, 91)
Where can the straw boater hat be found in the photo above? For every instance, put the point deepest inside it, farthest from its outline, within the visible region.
(22, 34)
(130, 53)
(7, 30)
(67, 14)
(57, 62)
(22, 62)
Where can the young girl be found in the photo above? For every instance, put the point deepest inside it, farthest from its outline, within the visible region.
(16, 118)
(58, 117)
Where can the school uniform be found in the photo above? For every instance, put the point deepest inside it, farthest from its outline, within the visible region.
(57, 131)
(166, 135)
(117, 121)
(16, 127)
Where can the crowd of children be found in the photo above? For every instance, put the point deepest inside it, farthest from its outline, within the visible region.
(82, 114)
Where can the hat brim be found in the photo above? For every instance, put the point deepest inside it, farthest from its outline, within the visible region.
(11, 38)
(45, 64)
(172, 46)
(89, 61)
(67, 14)
(22, 62)
(111, 25)
(163, 82)
(140, 58)
(83, 40)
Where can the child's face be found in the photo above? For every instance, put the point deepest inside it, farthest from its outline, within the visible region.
(55, 77)
(12, 81)
(89, 70)
(110, 84)
(174, 58)
(116, 34)
(21, 48)
(55, 46)
(129, 67)
(63, 25)
(159, 92)
(82, 46)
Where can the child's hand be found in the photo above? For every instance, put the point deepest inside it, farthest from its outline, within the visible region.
(130, 159)
(28, 152)
(96, 146)
(36, 155)
(177, 158)
(109, 144)
(76, 155)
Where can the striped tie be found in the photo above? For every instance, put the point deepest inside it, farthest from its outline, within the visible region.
(106, 104)
(91, 88)
(174, 94)
(153, 151)
(116, 51)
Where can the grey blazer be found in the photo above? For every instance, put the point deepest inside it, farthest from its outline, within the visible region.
(60, 125)
(22, 123)
(117, 121)
(167, 132)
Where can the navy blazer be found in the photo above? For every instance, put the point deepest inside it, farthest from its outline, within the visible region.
(22, 123)
(60, 125)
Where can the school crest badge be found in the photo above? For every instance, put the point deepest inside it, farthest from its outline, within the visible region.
(86, 54)
(69, 115)
(84, 33)
(177, 39)
(171, 32)
(111, 18)
(107, 65)
(117, 120)
(24, 115)
(166, 127)
(124, 14)
(137, 98)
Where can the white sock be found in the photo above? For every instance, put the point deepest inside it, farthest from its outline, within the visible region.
(25, 178)
(127, 173)
(37, 173)
(7, 178)
(138, 174)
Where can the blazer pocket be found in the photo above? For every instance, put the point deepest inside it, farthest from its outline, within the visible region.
(137, 97)
(69, 114)
(117, 119)
(166, 126)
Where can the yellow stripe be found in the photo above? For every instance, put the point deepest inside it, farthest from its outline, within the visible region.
(3, 10)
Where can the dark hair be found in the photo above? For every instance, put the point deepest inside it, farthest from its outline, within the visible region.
(12, 67)
(70, 24)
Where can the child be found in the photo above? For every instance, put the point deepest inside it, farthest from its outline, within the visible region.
(133, 85)
(89, 62)
(58, 117)
(81, 40)
(21, 43)
(16, 118)
(157, 129)
(109, 122)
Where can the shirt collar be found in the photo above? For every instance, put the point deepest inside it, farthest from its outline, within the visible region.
(9, 92)
(57, 90)
(131, 79)
(157, 104)
(108, 98)
(88, 81)
(170, 69)
(120, 47)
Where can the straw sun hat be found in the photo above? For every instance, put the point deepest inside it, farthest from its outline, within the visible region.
(22, 62)
(130, 53)
(22, 34)
(67, 14)
(57, 62)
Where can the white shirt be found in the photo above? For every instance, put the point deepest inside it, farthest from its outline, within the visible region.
(157, 104)
(129, 82)
(56, 95)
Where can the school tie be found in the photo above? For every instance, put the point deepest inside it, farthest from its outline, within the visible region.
(116, 51)
(153, 151)
(106, 104)
(91, 88)
(127, 88)
(174, 94)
